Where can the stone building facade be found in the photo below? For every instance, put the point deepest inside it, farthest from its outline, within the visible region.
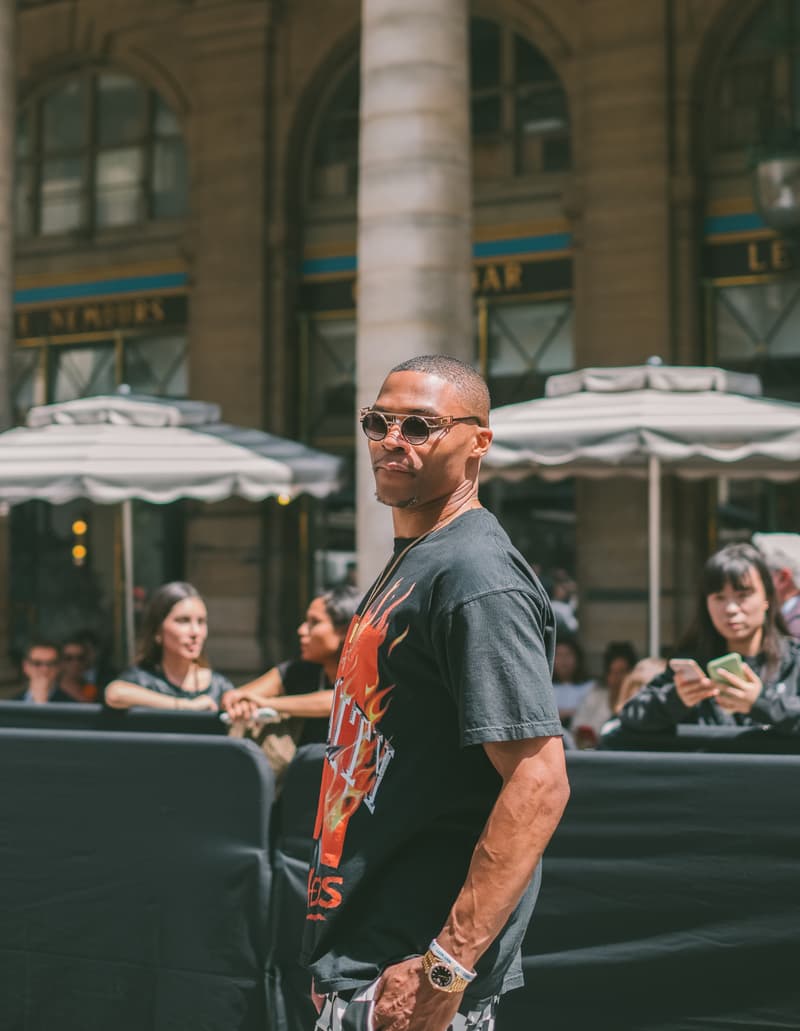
(186, 221)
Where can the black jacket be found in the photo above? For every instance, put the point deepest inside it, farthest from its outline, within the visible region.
(658, 706)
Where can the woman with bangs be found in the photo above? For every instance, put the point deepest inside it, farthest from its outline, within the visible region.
(737, 611)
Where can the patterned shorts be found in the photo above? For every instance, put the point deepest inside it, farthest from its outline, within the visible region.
(340, 1014)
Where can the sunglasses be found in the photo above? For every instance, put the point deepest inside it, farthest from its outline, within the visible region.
(43, 663)
(73, 656)
(414, 429)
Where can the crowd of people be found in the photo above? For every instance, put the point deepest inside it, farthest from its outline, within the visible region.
(748, 603)
(444, 767)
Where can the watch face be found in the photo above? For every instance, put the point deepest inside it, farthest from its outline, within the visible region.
(441, 976)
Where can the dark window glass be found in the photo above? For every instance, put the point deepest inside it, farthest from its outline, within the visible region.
(519, 113)
(484, 53)
(98, 150)
(121, 110)
(757, 98)
(64, 118)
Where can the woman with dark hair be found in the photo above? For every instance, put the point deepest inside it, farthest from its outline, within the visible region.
(737, 611)
(304, 687)
(171, 670)
(570, 679)
(597, 706)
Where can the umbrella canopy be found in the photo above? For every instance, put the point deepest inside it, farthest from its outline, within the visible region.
(698, 422)
(634, 421)
(111, 449)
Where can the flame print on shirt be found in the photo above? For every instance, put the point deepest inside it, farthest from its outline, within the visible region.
(358, 754)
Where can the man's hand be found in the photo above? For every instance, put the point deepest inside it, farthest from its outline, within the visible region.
(40, 685)
(406, 1001)
(739, 693)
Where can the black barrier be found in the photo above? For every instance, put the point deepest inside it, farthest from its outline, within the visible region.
(134, 882)
(691, 737)
(670, 897)
(290, 1006)
(71, 716)
(135, 890)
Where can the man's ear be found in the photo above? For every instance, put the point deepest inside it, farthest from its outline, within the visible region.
(482, 442)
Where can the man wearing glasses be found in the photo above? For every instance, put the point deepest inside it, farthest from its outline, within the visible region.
(56, 674)
(444, 775)
(40, 667)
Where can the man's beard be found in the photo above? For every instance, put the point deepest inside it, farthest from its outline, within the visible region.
(405, 503)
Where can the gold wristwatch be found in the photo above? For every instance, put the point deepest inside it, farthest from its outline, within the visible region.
(442, 975)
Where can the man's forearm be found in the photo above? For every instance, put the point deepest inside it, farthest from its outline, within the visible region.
(527, 811)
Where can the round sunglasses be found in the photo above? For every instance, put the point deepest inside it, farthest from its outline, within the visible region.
(414, 429)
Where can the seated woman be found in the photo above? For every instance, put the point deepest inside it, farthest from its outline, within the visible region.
(597, 706)
(570, 680)
(738, 611)
(72, 682)
(304, 687)
(171, 670)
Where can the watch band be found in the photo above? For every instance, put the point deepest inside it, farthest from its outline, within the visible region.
(444, 973)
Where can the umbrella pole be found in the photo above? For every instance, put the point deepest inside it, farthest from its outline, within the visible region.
(654, 552)
(127, 578)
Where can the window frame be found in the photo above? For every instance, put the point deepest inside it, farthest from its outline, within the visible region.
(89, 151)
(510, 91)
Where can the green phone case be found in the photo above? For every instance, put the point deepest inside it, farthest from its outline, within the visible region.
(732, 662)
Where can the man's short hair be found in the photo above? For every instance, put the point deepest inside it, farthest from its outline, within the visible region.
(780, 551)
(470, 384)
(41, 642)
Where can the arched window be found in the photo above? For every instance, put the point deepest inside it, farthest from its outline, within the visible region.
(520, 122)
(758, 94)
(95, 151)
(335, 156)
(751, 277)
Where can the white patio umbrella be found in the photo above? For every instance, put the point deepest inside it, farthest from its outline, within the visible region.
(642, 420)
(113, 449)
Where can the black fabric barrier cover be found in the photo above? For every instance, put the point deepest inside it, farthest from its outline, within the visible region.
(670, 899)
(69, 716)
(134, 882)
(689, 737)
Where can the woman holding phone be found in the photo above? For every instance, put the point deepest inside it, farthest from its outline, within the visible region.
(737, 612)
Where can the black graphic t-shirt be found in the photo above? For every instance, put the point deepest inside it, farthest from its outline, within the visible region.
(454, 651)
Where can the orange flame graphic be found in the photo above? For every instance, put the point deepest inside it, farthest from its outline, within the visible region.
(357, 748)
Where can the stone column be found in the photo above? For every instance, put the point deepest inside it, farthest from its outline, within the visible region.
(7, 131)
(414, 210)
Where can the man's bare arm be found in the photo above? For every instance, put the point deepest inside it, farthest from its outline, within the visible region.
(526, 813)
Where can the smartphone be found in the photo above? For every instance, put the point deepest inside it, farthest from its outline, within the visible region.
(263, 715)
(688, 668)
(732, 662)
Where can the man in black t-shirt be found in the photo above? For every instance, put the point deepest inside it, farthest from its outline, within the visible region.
(444, 776)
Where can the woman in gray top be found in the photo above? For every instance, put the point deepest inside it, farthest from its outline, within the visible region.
(171, 670)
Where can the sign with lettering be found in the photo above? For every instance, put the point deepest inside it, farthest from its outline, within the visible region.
(501, 278)
(105, 316)
(746, 258)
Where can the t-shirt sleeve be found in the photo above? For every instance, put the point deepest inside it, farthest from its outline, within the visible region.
(218, 685)
(494, 650)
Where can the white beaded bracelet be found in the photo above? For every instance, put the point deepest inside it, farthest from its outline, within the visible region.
(455, 966)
